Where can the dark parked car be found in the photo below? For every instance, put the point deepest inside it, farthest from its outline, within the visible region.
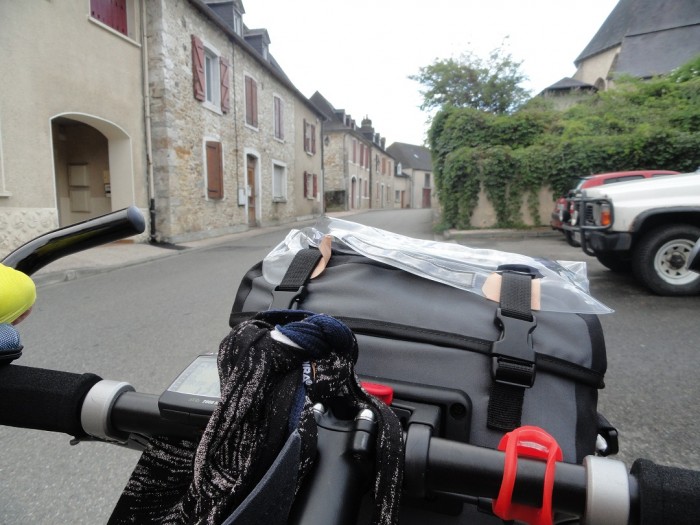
(562, 208)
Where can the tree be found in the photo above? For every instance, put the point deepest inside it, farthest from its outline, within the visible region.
(491, 85)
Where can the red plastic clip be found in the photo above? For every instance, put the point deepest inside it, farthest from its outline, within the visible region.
(529, 442)
(383, 392)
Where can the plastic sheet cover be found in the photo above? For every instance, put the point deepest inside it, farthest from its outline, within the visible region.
(564, 284)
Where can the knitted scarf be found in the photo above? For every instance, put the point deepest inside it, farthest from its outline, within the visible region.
(263, 432)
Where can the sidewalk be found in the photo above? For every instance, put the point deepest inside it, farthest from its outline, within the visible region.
(126, 253)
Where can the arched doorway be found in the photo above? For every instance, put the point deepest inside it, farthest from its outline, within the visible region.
(93, 167)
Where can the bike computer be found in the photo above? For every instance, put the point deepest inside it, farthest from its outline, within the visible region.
(194, 394)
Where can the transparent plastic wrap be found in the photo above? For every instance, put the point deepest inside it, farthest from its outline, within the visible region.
(564, 284)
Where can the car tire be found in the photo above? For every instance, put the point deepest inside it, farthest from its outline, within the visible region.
(615, 262)
(660, 260)
(570, 239)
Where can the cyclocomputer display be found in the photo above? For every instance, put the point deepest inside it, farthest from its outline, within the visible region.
(194, 394)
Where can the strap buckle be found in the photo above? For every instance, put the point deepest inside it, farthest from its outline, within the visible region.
(287, 298)
(514, 354)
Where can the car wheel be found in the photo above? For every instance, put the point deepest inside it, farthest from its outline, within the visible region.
(661, 260)
(570, 239)
(615, 262)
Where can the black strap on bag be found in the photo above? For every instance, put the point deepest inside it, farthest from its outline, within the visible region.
(513, 355)
(293, 286)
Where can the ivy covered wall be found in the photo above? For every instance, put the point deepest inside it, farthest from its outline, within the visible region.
(640, 125)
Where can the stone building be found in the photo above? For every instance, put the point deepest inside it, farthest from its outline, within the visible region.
(236, 145)
(357, 169)
(72, 135)
(415, 172)
(175, 107)
(640, 38)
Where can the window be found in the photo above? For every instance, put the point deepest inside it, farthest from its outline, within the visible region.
(279, 183)
(310, 185)
(211, 77)
(309, 137)
(279, 117)
(426, 184)
(237, 22)
(112, 13)
(251, 102)
(215, 170)
(210, 72)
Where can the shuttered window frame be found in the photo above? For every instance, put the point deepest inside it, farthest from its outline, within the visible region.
(251, 102)
(214, 169)
(278, 117)
(210, 76)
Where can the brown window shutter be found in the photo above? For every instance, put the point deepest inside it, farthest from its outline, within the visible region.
(255, 102)
(225, 84)
(279, 124)
(251, 102)
(306, 139)
(198, 67)
(215, 171)
(313, 139)
(306, 185)
(315, 185)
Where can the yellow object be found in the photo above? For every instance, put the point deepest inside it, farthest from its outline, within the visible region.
(17, 294)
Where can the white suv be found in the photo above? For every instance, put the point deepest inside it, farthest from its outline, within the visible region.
(649, 227)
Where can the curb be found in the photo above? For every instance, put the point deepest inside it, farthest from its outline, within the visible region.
(511, 234)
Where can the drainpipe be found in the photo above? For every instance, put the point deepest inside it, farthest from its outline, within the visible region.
(150, 184)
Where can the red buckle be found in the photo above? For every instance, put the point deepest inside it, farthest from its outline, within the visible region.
(529, 442)
(383, 392)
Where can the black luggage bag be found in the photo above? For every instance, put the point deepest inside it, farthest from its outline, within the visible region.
(490, 366)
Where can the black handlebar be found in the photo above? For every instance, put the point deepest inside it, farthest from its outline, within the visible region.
(43, 399)
(53, 401)
(45, 249)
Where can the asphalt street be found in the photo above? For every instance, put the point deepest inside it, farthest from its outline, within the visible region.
(145, 322)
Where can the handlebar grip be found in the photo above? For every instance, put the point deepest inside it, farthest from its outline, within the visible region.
(43, 399)
(667, 494)
(46, 248)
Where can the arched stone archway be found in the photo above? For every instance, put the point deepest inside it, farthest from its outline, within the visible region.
(93, 167)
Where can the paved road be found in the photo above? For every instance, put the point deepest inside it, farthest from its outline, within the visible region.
(144, 324)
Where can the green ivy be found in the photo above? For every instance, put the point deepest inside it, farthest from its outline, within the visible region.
(653, 124)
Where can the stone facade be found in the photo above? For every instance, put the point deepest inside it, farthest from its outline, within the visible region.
(251, 153)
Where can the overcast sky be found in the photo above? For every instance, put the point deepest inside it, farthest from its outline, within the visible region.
(359, 54)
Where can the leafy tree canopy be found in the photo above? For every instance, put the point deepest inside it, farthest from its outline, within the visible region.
(492, 84)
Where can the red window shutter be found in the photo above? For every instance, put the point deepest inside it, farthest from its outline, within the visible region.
(306, 185)
(215, 171)
(315, 185)
(225, 84)
(198, 67)
(111, 13)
